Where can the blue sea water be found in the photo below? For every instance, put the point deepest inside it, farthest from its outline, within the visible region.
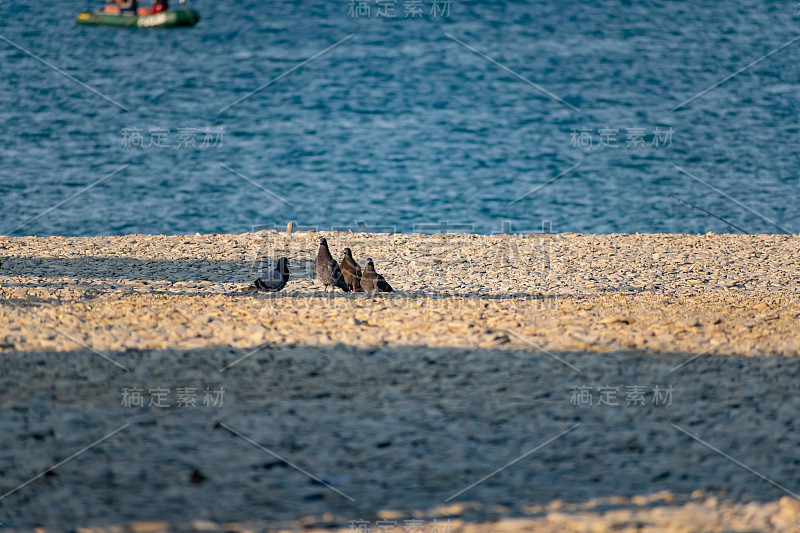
(402, 125)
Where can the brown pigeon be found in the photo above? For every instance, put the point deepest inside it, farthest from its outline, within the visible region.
(371, 281)
(327, 268)
(351, 271)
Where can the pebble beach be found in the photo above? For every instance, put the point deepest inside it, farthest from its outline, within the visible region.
(532, 382)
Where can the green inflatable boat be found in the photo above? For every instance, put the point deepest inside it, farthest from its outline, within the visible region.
(173, 18)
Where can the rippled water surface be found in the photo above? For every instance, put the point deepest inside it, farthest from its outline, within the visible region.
(401, 125)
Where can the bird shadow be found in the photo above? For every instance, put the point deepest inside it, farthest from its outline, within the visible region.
(399, 295)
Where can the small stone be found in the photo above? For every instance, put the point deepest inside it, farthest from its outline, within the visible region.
(197, 477)
(149, 527)
(205, 525)
(788, 513)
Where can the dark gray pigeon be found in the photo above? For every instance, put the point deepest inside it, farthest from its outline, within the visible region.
(274, 280)
(351, 271)
(371, 281)
(327, 268)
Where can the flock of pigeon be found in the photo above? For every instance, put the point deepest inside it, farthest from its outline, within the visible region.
(347, 276)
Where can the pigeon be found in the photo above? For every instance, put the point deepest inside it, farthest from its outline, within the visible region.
(351, 271)
(327, 268)
(371, 281)
(274, 280)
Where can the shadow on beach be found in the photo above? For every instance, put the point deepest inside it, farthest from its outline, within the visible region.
(132, 268)
(403, 428)
(175, 271)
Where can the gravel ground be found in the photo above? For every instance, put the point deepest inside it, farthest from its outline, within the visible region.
(512, 383)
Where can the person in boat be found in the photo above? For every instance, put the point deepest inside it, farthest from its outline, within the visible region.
(127, 7)
(159, 6)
